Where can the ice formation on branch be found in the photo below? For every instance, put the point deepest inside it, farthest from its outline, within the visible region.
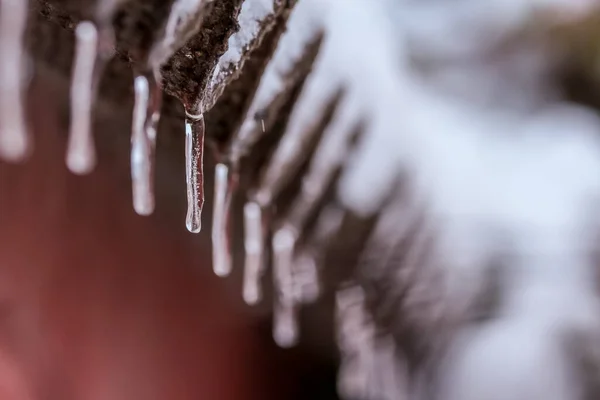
(442, 124)
(95, 47)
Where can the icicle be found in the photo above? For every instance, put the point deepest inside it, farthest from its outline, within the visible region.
(388, 375)
(146, 116)
(254, 237)
(285, 324)
(222, 262)
(184, 21)
(306, 278)
(142, 149)
(355, 335)
(194, 152)
(14, 138)
(81, 155)
(95, 43)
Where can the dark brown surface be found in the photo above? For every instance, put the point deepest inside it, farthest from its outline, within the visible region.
(51, 42)
(99, 303)
(159, 247)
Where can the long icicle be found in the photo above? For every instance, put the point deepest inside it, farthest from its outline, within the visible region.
(142, 148)
(285, 324)
(388, 375)
(14, 138)
(194, 153)
(355, 335)
(184, 21)
(81, 154)
(95, 47)
(254, 243)
(222, 262)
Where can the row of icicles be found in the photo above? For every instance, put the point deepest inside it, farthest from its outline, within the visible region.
(95, 43)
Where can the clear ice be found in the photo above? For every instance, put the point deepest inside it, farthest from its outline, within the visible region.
(222, 262)
(194, 170)
(184, 20)
(14, 138)
(81, 154)
(254, 238)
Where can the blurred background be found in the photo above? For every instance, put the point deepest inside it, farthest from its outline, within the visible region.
(98, 302)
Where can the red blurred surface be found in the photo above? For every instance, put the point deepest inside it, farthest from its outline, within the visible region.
(99, 303)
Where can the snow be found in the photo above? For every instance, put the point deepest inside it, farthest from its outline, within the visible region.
(487, 165)
(301, 31)
(252, 14)
(251, 20)
(184, 21)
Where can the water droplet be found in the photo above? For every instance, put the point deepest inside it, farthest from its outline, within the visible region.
(14, 138)
(220, 234)
(254, 237)
(194, 169)
(81, 154)
(142, 149)
(285, 324)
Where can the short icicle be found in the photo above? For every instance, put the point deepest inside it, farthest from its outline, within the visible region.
(285, 324)
(14, 138)
(306, 276)
(142, 149)
(222, 262)
(81, 154)
(194, 170)
(254, 238)
(388, 374)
